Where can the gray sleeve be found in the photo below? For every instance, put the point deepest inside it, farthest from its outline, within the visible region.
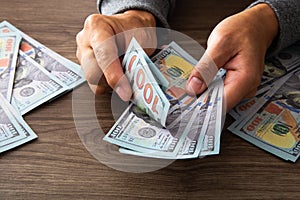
(159, 8)
(288, 15)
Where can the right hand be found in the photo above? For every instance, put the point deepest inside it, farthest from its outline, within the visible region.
(97, 49)
(237, 44)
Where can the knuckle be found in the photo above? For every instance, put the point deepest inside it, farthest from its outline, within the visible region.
(79, 37)
(92, 78)
(91, 70)
(90, 20)
(101, 53)
(78, 55)
(94, 20)
(112, 79)
(105, 55)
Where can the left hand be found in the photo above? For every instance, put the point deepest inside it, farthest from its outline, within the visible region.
(100, 41)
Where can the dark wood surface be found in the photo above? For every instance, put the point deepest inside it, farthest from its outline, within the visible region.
(57, 164)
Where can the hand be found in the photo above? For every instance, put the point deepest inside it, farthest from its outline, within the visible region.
(97, 49)
(238, 44)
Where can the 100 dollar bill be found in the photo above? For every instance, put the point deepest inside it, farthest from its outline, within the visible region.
(175, 65)
(273, 124)
(10, 131)
(14, 130)
(33, 85)
(211, 140)
(9, 47)
(147, 94)
(137, 131)
(281, 64)
(66, 71)
(196, 124)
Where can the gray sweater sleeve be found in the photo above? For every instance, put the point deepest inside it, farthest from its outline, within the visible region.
(288, 15)
(287, 12)
(159, 8)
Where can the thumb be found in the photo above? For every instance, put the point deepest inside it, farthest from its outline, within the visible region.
(202, 75)
(207, 68)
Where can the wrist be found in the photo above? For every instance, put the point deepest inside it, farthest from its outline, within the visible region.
(264, 18)
(145, 16)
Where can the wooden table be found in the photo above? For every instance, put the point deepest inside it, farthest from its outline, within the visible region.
(57, 164)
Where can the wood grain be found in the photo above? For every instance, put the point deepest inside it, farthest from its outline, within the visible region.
(58, 166)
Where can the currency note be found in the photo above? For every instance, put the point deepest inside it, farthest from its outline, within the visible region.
(66, 71)
(33, 85)
(242, 108)
(147, 94)
(274, 124)
(137, 131)
(272, 72)
(198, 125)
(160, 79)
(14, 130)
(285, 61)
(9, 47)
(259, 101)
(288, 58)
(195, 126)
(176, 65)
(9, 129)
(211, 141)
(186, 122)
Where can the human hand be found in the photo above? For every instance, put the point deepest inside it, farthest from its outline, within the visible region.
(97, 49)
(237, 44)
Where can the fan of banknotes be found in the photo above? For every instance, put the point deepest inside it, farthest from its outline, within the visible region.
(163, 121)
(184, 127)
(30, 75)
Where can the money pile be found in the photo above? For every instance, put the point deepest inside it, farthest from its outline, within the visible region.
(30, 75)
(271, 119)
(163, 121)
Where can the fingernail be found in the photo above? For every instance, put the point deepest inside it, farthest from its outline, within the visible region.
(194, 85)
(124, 93)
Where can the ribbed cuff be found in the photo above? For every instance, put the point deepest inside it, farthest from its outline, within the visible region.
(159, 8)
(288, 15)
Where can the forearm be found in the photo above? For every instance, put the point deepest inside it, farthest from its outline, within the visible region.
(288, 16)
(159, 8)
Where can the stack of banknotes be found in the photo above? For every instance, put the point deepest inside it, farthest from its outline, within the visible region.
(173, 125)
(30, 75)
(271, 119)
(163, 121)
